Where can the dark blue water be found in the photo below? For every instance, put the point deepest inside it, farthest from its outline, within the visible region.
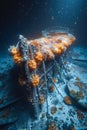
(31, 17)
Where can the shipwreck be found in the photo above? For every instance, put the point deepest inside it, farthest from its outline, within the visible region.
(41, 64)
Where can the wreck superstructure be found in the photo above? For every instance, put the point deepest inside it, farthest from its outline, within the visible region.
(40, 65)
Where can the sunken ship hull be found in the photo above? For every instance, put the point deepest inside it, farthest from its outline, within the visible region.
(41, 66)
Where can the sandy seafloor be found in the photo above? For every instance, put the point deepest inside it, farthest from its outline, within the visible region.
(15, 111)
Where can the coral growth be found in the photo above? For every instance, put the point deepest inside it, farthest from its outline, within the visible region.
(67, 100)
(45, 48)
(16, 55)
(61, 47)
(17, 58)
(39, 56)
(35, 80)
(52, 88)
(32, 64)
(54, 80)
(14, 51)
(55, 49)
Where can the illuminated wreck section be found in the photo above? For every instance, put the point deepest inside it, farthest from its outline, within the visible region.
(40, 66)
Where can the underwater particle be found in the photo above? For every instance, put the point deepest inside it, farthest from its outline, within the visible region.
(53, 110)
(75, 22)
(46, 3)
(67, 100)
(39, 56)
(59, 12)
(42, 99)
(32, 64)
(35, 80)
(52, 17)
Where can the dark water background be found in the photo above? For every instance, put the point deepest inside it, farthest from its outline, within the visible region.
(30, 17)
